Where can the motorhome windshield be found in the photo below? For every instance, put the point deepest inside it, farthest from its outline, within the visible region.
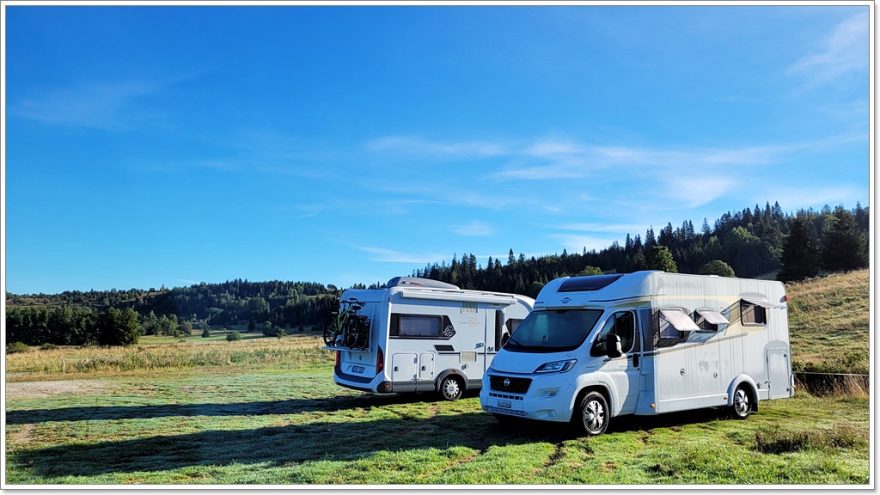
(553, 330)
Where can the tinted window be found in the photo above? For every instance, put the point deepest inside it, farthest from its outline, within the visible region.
(623, 325)
(752, 314)
(421, 326)
(553, 330)
(592, 282)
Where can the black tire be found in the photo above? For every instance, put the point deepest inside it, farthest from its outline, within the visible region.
(329, 335)
(742, 402)
(592, 415)
(451, 387)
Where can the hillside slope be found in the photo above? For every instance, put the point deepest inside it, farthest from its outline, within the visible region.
(829, 323)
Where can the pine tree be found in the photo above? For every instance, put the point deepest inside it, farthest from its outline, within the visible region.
(799, 255)
(841, 244)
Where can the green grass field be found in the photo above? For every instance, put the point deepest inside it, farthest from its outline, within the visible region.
(828, 323)
(265, 411)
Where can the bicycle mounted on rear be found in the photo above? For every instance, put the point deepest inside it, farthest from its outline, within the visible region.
(347, 328)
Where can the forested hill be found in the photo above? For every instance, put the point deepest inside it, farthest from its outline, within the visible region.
(752, 242)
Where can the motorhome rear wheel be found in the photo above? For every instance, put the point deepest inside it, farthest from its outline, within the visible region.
(451, 388)
(742, 405)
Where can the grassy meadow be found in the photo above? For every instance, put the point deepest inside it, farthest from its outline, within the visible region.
(265, 411)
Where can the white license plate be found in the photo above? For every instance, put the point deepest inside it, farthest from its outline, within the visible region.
(505, 404)
(357, 369)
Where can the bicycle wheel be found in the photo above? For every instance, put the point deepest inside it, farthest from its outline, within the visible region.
(330, 332)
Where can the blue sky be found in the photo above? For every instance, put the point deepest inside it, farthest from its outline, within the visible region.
(173, 145)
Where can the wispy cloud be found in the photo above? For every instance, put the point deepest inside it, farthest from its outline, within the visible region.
(576, 243)
(843, 51)
(474, 228)
(101, 105)
(418, 146)
(392, 256)
(792, 198)
(613, 228)
(567, 160)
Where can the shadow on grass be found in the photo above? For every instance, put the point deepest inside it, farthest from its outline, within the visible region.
(289, 406)
(277, 445)
(322, 441)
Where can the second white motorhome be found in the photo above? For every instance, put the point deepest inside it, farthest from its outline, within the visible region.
(421, 335)
(643, 343)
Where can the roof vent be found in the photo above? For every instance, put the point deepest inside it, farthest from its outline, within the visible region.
(418, 282)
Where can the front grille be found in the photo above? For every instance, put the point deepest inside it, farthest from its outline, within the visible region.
(505, 396)
(514, 385)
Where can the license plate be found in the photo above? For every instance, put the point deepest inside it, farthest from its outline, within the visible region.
(357, 369)
(505, 404)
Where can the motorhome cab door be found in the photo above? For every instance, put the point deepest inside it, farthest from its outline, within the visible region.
(623, 370)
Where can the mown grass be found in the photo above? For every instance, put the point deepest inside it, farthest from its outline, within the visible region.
(285, 425)
(829, 323)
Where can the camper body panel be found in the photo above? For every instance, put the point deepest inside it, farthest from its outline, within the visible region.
(424, 335)
(697, 369)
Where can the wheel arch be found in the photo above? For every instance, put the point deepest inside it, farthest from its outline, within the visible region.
(597, 387)
(750, 386)
(463, 380)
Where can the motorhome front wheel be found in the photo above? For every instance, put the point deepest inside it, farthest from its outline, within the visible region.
(594, 414)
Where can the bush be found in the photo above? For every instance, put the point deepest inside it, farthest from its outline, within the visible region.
(48, 347)
(16, 347)
(233, 335)
(206, 333)
(717, 267)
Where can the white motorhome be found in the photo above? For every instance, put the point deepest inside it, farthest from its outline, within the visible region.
(425, 336)
(643, 343)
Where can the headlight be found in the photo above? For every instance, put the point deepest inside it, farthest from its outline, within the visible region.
(556, 366)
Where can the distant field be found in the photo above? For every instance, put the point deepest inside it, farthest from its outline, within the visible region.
(265, 410)
(829, 323)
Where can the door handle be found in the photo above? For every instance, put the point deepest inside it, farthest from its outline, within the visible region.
(635, 361)
(395, 369)
(681, 372)
(423, 368)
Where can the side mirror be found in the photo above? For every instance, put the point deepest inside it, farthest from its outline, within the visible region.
(612, 346)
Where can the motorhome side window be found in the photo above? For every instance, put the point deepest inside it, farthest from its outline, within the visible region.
(672, 326)
(421, 326)
(709, 320)
(752, 314)
(622, 324)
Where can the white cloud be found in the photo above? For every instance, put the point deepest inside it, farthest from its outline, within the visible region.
(844, 51)
(695, 191)
(473, 229)
(614, 228)
(392, 256)
(576, 243)
(96, 105)
(793, 198)
(417, 146)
